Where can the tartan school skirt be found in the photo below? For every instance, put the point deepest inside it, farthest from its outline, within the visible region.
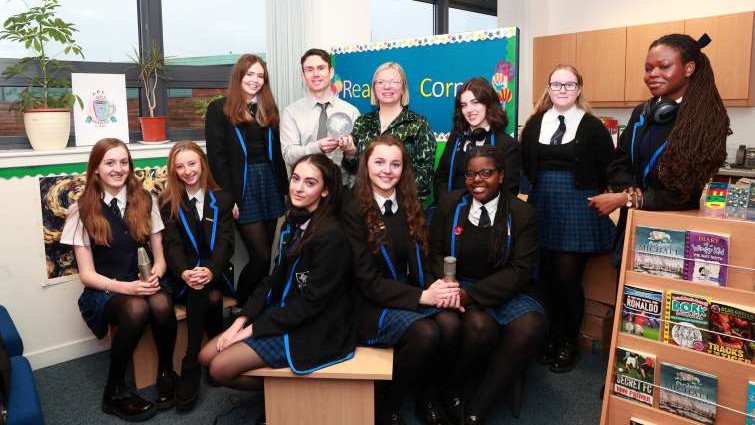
(262, 200)
(516, 307)
(393, 324)
(271, 349)
(564, 220)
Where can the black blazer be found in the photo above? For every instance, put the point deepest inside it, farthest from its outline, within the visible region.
(317, 317)
(226, 156)
(376, 291)
(594, 148)
(515, 276)
(217, 229)
(511, 157)
(625, 172)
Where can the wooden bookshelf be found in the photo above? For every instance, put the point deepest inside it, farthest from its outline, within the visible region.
(732, 376)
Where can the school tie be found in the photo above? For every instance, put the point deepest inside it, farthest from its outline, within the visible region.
(295, 238)
(114, 208)
(388, 208)
(322, 126)
(193, 210)
(558, 135)
(484, 217)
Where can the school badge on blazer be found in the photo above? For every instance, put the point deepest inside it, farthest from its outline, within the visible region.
(302, 279)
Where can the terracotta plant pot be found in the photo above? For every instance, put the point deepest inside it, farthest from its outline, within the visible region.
(48, 128)
(153, 129)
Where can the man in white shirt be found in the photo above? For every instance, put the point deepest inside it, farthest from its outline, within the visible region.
(302, 126)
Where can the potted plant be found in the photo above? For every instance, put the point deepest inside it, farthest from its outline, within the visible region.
(151, 68)
(47, 100)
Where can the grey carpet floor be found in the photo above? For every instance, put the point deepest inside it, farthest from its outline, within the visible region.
(70, 393)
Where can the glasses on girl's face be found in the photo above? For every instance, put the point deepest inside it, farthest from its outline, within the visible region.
(558, 86)
(485, 173)
(388, 83)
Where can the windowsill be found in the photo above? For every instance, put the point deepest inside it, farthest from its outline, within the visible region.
(77, 154)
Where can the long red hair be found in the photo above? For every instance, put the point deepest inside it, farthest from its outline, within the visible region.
(235, 107)
(138, 217)
(175, 189)
(406, 193)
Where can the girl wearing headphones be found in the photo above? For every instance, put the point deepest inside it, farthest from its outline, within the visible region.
(676, 141)
(565, 153)
(479, 120)
(493, 236)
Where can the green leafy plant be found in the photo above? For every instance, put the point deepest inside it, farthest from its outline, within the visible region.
(151, 68)
(201, 105)
(35, 29)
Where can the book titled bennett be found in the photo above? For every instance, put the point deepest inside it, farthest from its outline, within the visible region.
(706, 256)
(635, 374)
(688, 392)
(659, 251)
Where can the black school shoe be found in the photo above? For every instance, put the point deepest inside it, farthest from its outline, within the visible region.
(548, 354)
(187, 388)
(567, 359)
(431, 413)
(454, 409)
(165, 389)
(126, 405)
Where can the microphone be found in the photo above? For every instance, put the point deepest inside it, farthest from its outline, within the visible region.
(143, 263)
(449, 269)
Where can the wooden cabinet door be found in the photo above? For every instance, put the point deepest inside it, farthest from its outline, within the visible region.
(730, 51)
(638, 41)
(548, 52)
(601, 58)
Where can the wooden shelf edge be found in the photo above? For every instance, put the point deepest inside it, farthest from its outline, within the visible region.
(743, 297)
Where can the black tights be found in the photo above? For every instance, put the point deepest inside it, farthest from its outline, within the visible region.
(258, 240)
(204, 312)
(422, 342)
(492, 357)
(562, 272)
(131, 314)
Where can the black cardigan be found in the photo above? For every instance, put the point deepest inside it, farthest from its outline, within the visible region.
(515, 276)
(377, 291)
(180, 254)
(319, 307)
(226, 157)
(511, 157)
(594, 148)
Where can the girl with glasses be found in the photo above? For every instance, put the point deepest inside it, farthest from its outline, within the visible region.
(479, 120)
(388, 233)
(493, 236)
(565, 153)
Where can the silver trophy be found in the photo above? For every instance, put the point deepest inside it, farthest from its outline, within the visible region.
(338, 125)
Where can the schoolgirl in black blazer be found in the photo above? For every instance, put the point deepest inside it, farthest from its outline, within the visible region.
(502, 323)
(199, 247)
(243, 147)
(301, 315)
(386, 227)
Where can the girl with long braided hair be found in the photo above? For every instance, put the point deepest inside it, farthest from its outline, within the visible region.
(676, 141)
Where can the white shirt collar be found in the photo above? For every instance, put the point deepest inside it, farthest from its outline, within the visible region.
(199, 195)
(121, 196)
(314, 101)
(381, 201)
(304, 225)
(491, 207)
(570, 115)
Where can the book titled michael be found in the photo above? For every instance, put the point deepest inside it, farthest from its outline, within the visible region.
(706, 256)
(641, 312)
(635, 374)
(659, 251)
(688, 393)
(687, 320)
(731, 333)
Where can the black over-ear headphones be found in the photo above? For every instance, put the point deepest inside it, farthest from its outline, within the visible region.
(662, 112)
(476, 135)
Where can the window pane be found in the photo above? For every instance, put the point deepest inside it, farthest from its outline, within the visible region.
(399, 19)
(212, 33)
(107, 30)
(186, 108)
(462, 21)
(11, 122)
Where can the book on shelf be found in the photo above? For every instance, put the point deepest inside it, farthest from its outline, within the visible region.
(689, 393)
(751, 203)
(750, 403)
(641, 312)
(731, 333)
(635, 374)
(687, 320)
(706, 256)
(659, 251)
(638, 421)
(736, 201)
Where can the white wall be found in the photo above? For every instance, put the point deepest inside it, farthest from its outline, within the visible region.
(547, 17)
